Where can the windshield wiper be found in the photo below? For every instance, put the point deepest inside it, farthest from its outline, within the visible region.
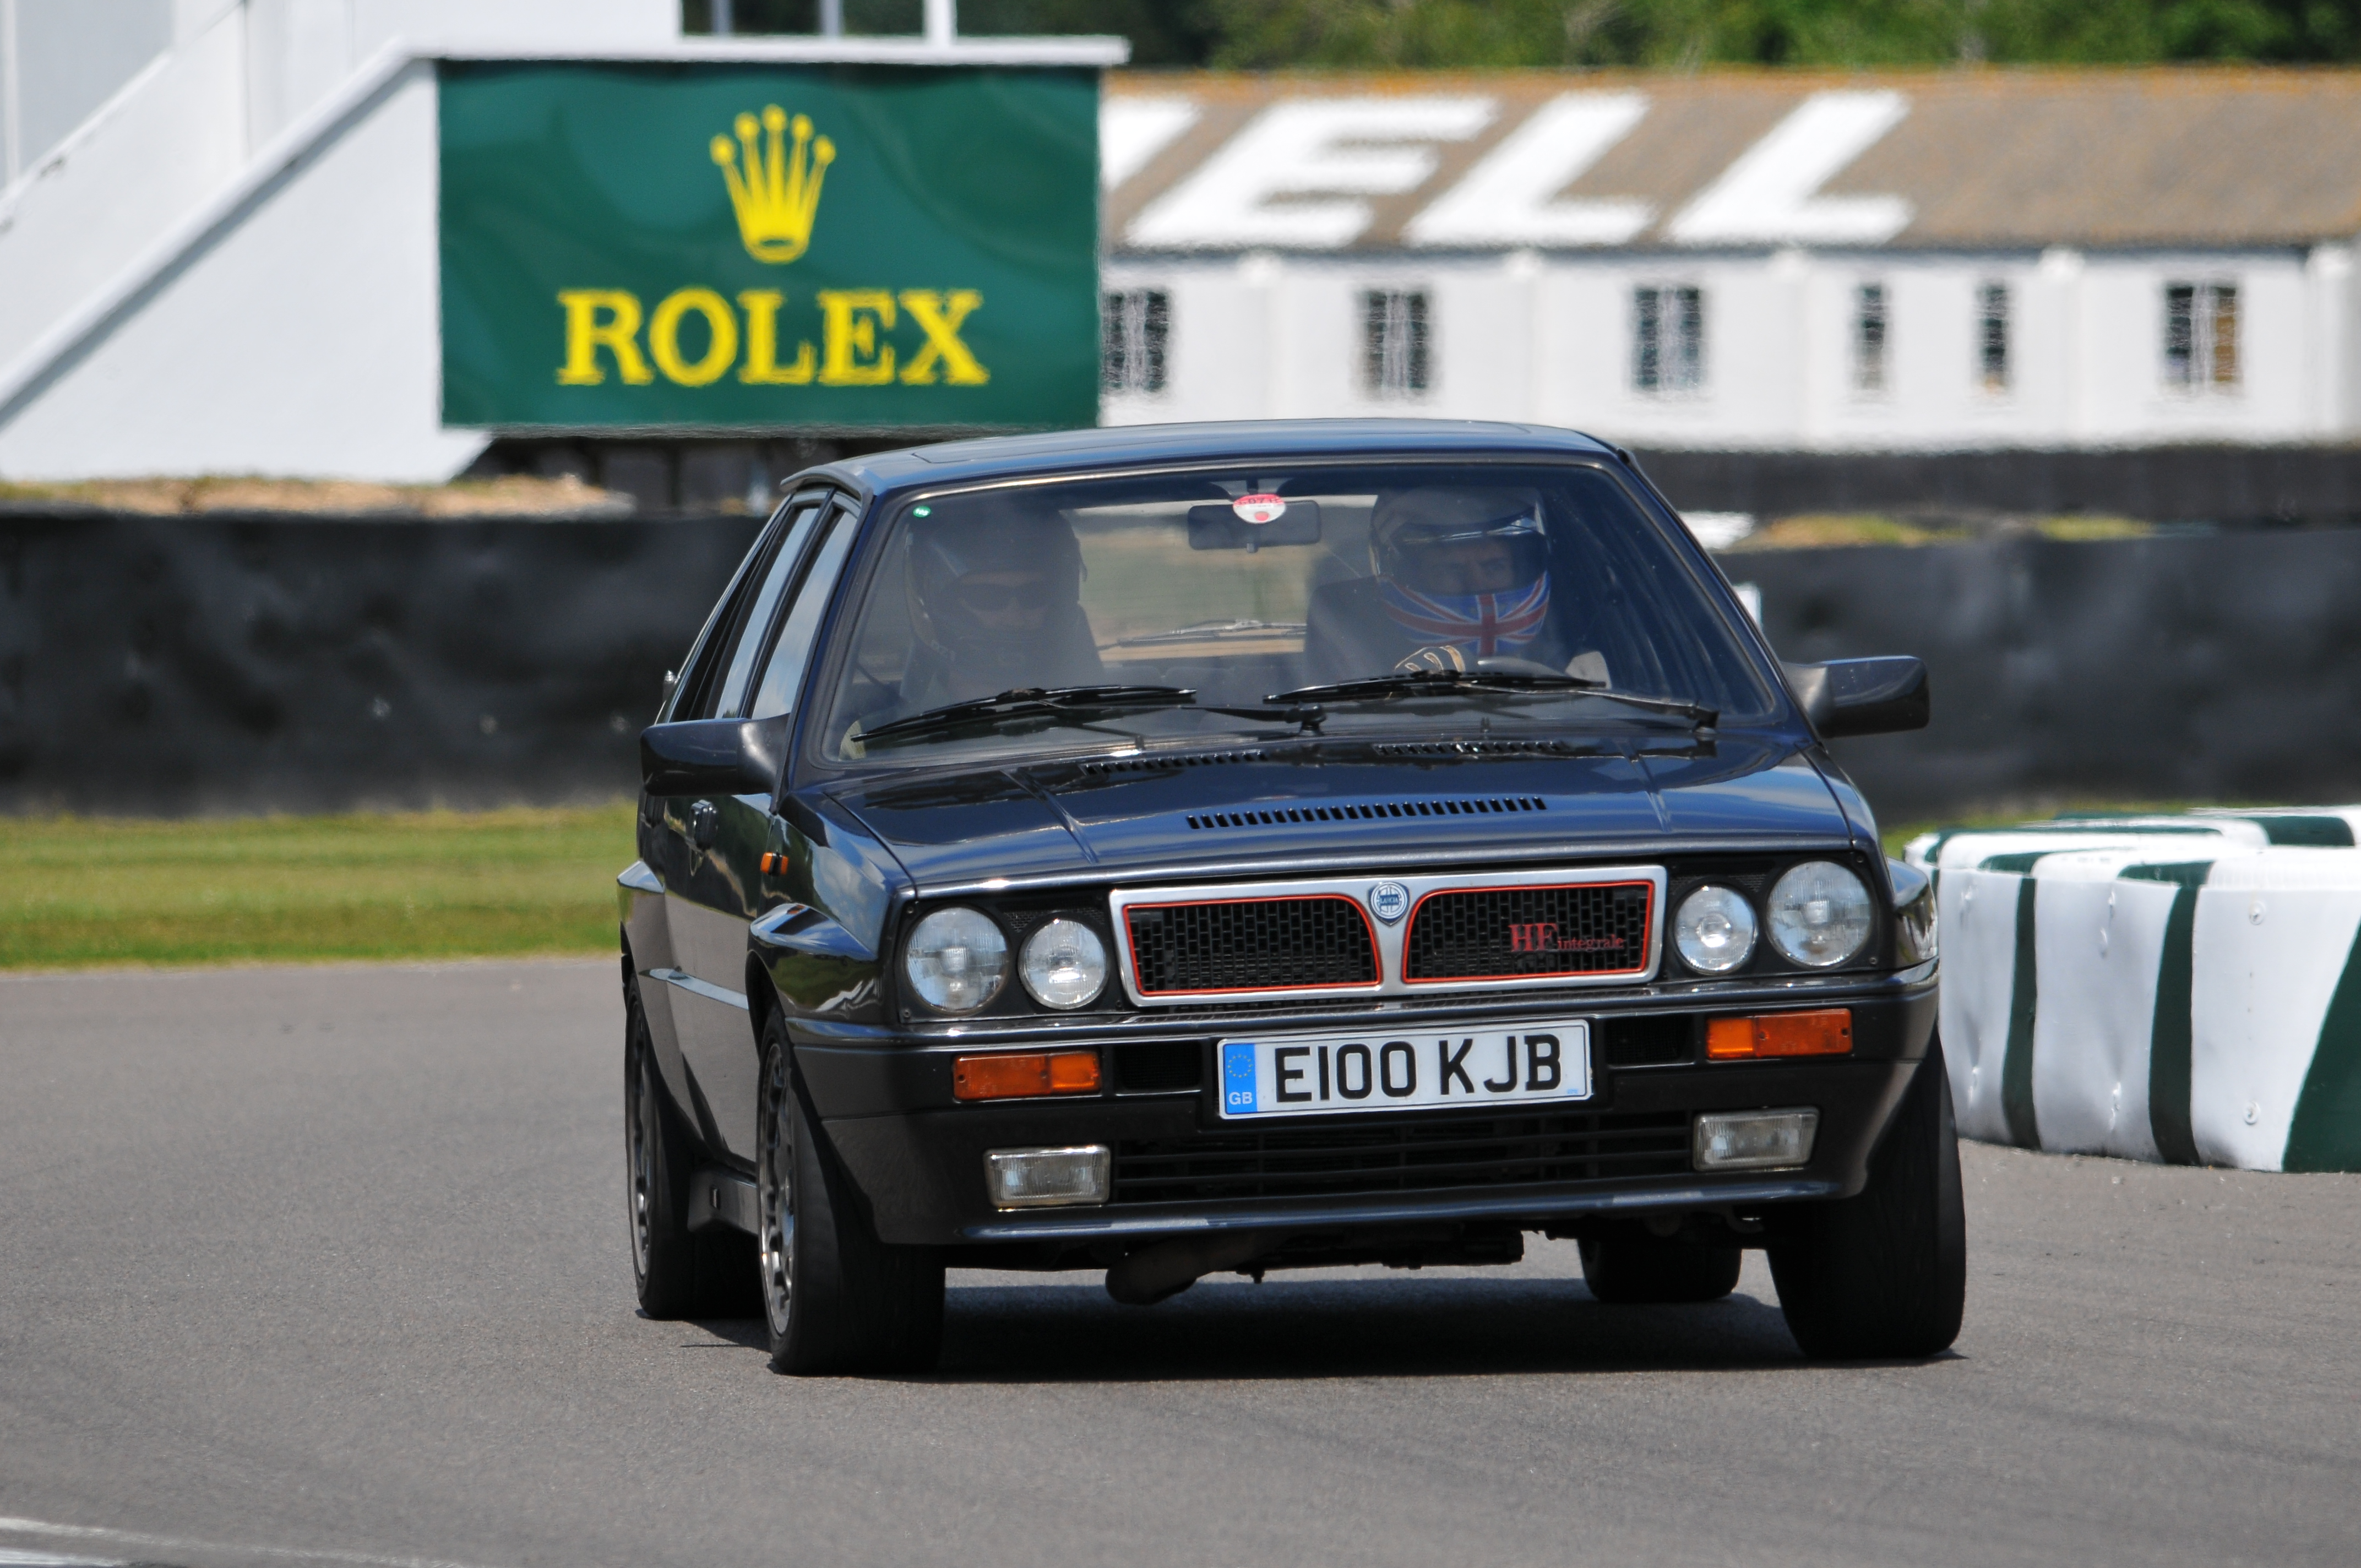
(1033, 702)
(1427, 683)
(1030, 701)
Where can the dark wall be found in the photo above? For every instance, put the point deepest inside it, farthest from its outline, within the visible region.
(2210, 667)
(243, 664)
(174, 665)
(2238, 484)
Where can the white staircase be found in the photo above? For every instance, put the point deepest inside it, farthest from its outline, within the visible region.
(220, 143)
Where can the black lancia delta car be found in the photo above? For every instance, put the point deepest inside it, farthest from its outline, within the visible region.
(1235, 848)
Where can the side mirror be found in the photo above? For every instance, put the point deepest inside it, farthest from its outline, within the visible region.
(1863, 697)
(714, 756)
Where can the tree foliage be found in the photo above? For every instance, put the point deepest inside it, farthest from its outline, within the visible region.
(1688, 33)
(1676, 34)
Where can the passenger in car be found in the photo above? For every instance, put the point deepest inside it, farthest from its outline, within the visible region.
(1460, 575)
(995, 603)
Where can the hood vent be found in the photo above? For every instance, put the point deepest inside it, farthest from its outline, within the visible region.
(1483, 749)
(1447, 806)
(1166, 765)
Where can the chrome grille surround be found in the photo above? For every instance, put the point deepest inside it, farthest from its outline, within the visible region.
(1391, 937)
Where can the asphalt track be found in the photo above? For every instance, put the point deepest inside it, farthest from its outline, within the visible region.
(328, 1265)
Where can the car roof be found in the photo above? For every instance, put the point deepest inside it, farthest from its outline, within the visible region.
(1007, 456)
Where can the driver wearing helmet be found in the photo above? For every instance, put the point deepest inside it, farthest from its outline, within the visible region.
(994, 595)
(1461, 577)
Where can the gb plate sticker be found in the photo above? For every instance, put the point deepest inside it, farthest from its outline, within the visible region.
(1238, 1077)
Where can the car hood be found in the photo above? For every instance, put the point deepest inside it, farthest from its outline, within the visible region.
(1318, 803)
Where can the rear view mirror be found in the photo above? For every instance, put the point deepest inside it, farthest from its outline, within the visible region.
(1217, 527)
(1863, 697)
(713, 756)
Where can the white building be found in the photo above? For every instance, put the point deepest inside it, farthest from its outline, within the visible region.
(1745, 260)
(218, 243)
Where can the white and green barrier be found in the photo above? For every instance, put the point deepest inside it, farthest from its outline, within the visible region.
(2182, 990)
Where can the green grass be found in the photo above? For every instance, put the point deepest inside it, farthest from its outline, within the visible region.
(1822, 531)
(83, 891)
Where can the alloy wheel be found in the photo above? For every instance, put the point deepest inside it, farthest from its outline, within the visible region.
(774, 1191)
(639, 1110)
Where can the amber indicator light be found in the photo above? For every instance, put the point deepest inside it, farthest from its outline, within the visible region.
(1012, 1076)
(1827, 1032)
(774, 864)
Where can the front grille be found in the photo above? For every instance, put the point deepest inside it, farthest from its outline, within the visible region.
(1158, 1066)
(1509, 933)
(1650, 1039)
(1404, 1154)
(1254, 944)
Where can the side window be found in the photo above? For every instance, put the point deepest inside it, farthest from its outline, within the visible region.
(692, 695)
(729, 693)
(784, 676)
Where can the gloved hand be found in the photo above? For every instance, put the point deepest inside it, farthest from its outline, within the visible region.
(1439, 657)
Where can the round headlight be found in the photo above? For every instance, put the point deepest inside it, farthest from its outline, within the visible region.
(1064, 964)
(1714, 930)
(1819, 915)
(956, 959)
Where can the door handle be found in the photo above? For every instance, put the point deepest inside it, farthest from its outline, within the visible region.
(704, 823)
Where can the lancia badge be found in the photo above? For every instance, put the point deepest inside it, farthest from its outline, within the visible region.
(1390, 901)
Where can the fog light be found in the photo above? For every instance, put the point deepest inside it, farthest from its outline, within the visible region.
(1009, 1075)
(1756, 1140)
(1035, 1178)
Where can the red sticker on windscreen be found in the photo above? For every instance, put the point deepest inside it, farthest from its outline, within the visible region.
(1259, 510)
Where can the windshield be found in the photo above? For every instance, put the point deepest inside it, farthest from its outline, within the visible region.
(1239, 586)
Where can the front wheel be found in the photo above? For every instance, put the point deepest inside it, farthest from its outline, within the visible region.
(835, 1298)
(1886, 1274)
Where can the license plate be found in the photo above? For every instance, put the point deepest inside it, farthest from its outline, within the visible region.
(1320, 1075)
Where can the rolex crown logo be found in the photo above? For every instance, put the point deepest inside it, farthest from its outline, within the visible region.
(776, 194)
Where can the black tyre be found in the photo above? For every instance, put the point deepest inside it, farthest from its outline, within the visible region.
(1637, 1269)
(837, 1299)
(679, 1273)
(1886, 1274)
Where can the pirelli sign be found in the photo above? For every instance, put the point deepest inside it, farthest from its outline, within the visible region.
(718, 246)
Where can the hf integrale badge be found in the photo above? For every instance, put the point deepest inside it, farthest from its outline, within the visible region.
(616, 240)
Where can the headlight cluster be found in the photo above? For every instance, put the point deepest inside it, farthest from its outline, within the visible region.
(957, 961)
(1715, 929)
(1819, 916)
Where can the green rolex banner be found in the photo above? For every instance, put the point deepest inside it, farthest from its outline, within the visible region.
(764, 246)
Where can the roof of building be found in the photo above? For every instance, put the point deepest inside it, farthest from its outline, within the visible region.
(1977, 158)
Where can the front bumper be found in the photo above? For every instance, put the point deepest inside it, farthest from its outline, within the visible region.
(917, 1159)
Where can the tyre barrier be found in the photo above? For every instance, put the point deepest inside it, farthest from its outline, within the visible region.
(2183, 990)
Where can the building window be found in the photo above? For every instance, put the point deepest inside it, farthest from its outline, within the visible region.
(1667, 339)
(1869, 338)
(1396, 343)
(1991, 337)
(1134, 327)
(2201, 335)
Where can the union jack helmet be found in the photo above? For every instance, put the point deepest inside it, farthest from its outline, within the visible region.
(1407, 525)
